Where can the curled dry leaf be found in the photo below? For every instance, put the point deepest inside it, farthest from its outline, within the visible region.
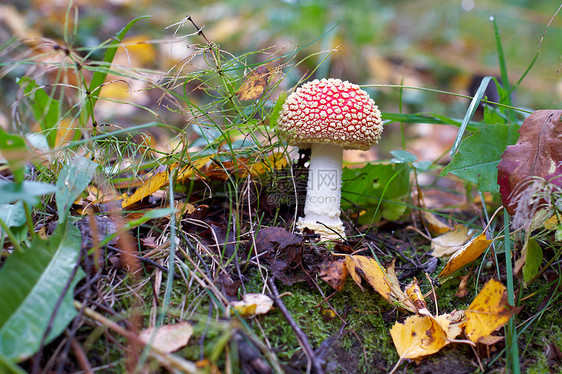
(252, 304)
(383, 281)
(414, 293)
(466, 254)
(434, 224)
(537, 153)
(488, 311)
(168, 338)
(450, 242)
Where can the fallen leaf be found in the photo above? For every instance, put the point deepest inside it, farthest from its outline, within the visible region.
(490, 339)
(252, 304)
(334, 273)
(381, 280)
(282, 250)
(421, 336)
(537, 153)
(255, 84)
(434, 224)
(462, 291)
(168, 338)
(467, 254)
(413, 291)
(488, 311)
(450, 242)
(161, 179)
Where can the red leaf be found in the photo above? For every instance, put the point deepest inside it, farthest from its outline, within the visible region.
(537, 153)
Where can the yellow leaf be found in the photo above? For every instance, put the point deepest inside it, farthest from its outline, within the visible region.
(450, 242)
(383, 281)
(552, 223)
(421, 336)
(488, 311)
(255, 84)
(252, 304)
(152, 185)
(161, 179)
(65, 132)
(414, 293)
(435, 225)
(274, 161)
(189, 171)
(139, 49)
(465, 255)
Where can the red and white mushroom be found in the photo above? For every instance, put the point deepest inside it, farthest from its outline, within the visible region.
(328, 116)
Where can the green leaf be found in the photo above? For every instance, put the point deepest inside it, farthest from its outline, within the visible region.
(533, 260)
(379, 188)
(45, 109)
(479, 155)
(73, 179)
(32, 282)
(403, 157)
(99, 75)
(28, 191)
(8, 367)
(14, 150)
(277, 109)
(13, 215)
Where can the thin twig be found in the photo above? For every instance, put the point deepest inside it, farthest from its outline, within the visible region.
(298, 332)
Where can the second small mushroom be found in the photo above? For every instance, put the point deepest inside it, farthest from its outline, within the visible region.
(328, 116)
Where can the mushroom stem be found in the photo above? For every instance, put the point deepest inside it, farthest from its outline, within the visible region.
(323, 194)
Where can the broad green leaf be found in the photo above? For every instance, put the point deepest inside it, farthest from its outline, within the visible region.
(45, 109)
(533, 260)
(32, 282)
(479, 155)
(14, 150)
(13, 215)
(73, 179)
(378, 188)
(28, 191)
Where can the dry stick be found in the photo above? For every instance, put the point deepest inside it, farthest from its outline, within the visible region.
(298, 332)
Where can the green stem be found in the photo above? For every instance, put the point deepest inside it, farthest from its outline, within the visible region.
(512, 349)
(10, 236)
(29, 220)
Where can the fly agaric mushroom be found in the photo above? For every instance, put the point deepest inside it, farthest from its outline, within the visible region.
(328, 116)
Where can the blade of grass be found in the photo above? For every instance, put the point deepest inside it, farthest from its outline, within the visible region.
(470, 112)
(512, 349)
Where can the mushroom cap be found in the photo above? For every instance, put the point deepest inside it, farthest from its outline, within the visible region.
(331, 111)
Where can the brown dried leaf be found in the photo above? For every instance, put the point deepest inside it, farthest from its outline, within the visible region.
(255, 84)
(538, 152)
(450, 242)
(168, 338)
(334, 273)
